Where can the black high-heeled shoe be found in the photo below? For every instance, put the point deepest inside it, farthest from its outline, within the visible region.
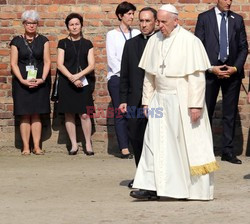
(88, 153)
(73, 152)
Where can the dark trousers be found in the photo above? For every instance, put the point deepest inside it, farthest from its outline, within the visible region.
(120, 121)
(230, 96)
(136, 129)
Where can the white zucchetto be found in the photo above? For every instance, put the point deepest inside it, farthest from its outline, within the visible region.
(169, 8)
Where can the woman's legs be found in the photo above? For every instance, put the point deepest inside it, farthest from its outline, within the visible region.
(25, 129)
(87, 128)
(71, 129)
(36, 130)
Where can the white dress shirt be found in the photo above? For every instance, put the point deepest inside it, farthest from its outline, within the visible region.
(115, 42)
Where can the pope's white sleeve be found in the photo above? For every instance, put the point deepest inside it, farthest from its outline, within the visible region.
(148, 88)
(196, 90)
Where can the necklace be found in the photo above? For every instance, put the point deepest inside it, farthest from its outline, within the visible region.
(171, 40)
(29, 40)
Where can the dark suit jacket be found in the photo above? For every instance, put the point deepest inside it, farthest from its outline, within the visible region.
(207, 30)
(131, 79)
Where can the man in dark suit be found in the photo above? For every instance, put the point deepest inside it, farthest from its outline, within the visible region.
(224, 37)
(131, 81)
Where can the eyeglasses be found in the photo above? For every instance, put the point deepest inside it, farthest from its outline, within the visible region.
(31, 23)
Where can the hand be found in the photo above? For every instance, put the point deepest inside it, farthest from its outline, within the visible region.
(123, 107)
(75, 77)
(78, 84)
(248, 97)
(195, 114)
(31, 83)
(71, 78)
(145, 110)
(39, 81)
(221, 71)
(231, 70)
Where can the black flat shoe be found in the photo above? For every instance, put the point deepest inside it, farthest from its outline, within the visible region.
(88, 153)
(126, 156)
(130, 184)
(230, 158)
(144, 195)
(73, 152)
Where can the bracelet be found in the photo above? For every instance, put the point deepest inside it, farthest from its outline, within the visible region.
(43, 79)
(235, 68)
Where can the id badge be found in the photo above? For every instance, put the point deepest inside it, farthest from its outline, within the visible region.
(32, 74)
(30, 67)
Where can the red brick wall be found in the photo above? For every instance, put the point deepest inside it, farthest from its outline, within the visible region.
(98, 19)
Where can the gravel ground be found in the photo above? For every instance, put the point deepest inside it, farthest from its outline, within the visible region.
(61, 189)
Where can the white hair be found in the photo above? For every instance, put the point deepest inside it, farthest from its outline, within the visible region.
(30, 14)
(174, 16)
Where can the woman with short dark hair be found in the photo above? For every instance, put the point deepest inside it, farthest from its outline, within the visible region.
(30, 65)
(115, 42)
(76, 63)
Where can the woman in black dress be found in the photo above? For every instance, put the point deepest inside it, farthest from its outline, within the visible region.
(30, 65)
(76, 63)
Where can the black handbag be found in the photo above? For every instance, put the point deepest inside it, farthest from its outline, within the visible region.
(54, 96)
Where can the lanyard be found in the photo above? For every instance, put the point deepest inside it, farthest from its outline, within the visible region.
(31, 55)
(130, 33)
(77, 53)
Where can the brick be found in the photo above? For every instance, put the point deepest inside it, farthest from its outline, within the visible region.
(9, 107)
(189, 8)
(5, 115)
(189, 1)
(2, 94)
(5, 86)
(2, 106)
(192, 15)
(53, 8)
(11, 122)
(18, 2)
(4, 52)
(7, 16)
(110, 2)
(68, 2)
(5, 37)
(88, 1)
(94, 16)
(210, 1)
(3, 66)
(5, 23)
(167, 1)
(45, 2)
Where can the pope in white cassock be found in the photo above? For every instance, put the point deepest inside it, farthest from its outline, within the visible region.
(177, 160)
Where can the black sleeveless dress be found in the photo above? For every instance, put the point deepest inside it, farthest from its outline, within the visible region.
(30, 101)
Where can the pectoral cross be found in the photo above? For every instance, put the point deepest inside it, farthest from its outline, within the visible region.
(162, 66)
